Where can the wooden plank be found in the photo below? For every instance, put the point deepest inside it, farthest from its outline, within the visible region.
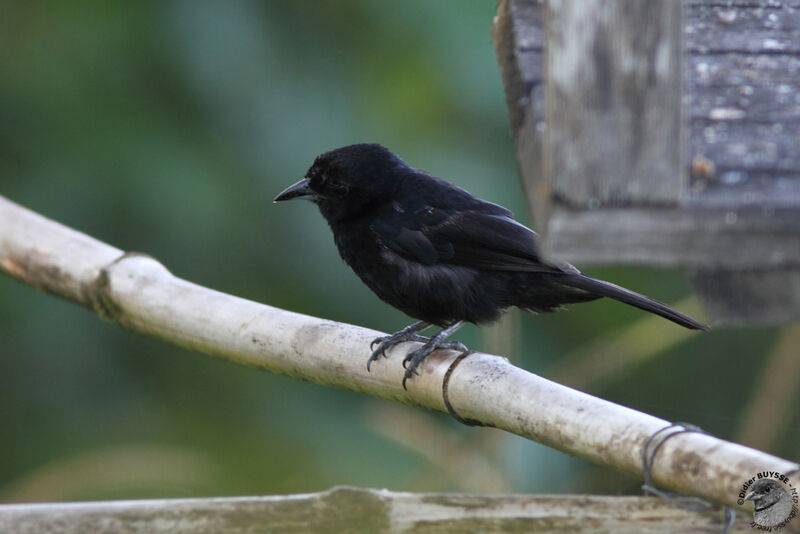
(751, 239)
(743, 74)
(743, 100)
(743, 112)
(363, 510)
(613, 102)
(518, 34)
(737, 217)
(755, 26)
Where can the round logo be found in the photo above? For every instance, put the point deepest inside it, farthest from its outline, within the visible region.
(775, 500)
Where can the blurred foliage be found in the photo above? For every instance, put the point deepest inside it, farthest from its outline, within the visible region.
(167, 128)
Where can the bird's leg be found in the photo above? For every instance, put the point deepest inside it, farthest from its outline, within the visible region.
(412, 361)
(408, 333)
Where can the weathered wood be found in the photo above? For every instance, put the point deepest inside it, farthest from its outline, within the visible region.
(518, 34)
(741, 207)
(364, 510)
(743, 27)
(613, 102)
(743, 75)
(748, 133)
(519, 47)
(755, 238)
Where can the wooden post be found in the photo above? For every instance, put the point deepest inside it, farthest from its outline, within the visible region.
(613, 102)
(596, 103)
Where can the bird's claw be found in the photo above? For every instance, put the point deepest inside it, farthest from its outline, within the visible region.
(453, 345)
(380, 351)
(408, 375)
(387, 342)
(413, 359)
(374, 356)
(445, 345)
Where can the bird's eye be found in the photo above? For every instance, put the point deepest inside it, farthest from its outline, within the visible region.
(337, 188)
(318, 181)
(321, 183)
(767, 489)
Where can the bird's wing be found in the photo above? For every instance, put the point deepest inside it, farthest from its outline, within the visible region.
(481, 236)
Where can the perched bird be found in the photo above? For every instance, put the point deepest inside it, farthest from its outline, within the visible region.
(772, 504)
(437, 253)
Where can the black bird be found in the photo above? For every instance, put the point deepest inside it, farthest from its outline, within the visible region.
(437, 253)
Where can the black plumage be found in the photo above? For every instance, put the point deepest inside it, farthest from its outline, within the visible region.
(437, 253)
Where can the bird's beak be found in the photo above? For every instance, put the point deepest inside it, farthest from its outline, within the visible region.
(298, 190)
(749, 496)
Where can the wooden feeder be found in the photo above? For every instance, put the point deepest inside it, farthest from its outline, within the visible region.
(664, 134)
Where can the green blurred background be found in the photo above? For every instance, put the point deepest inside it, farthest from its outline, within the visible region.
(167, 128)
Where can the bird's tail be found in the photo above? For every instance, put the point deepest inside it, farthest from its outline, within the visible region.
(607, 289)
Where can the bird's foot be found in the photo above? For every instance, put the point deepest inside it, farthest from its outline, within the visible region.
(413, 359)
(387, 342)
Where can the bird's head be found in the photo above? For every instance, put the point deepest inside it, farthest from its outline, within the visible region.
(765, 493)
(346, 182)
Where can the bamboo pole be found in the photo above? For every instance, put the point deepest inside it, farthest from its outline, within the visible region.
(139, 294)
